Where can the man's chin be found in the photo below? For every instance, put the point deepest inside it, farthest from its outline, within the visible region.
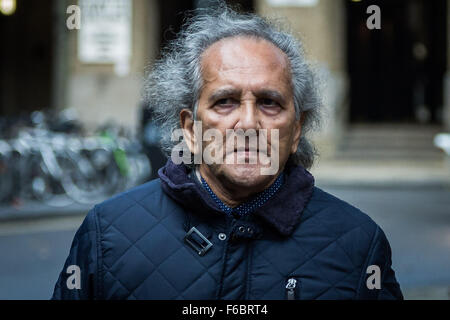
(246, 175)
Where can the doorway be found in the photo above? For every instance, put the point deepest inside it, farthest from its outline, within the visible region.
(26, 58)
(396, 73)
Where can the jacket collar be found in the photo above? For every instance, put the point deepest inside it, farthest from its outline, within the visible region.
(283, 211)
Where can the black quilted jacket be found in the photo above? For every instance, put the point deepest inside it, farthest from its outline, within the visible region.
(167, 239)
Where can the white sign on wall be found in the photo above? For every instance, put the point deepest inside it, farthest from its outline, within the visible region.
(292, 3)
(105, 33)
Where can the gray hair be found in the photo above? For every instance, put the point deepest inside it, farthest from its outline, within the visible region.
(175, 80)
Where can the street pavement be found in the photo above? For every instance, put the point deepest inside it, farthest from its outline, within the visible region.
(415, 220)
(32, 255)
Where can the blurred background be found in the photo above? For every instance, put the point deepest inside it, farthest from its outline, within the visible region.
(73, 129)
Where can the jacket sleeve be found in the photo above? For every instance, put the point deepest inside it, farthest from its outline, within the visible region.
(79, 278)
(378, 278)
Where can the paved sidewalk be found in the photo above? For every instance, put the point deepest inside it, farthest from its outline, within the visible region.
(35, 209)
(384, 174)
(427, 293)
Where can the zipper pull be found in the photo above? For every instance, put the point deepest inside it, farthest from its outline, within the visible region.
(290, 288)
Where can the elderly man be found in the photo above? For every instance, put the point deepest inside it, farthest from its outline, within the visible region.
(228, 229)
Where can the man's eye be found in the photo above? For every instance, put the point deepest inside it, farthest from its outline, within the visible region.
(269, 103)
(228, 102)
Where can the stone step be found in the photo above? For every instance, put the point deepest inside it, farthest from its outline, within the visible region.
(362, 142)
(388, 145)
(375, 155)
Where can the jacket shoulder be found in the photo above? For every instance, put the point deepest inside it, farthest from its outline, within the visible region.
(338, 216)
(348, 235)
(143, 203)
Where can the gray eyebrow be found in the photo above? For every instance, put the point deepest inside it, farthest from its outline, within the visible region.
(270, 94)
(232, 92)
(223, 93)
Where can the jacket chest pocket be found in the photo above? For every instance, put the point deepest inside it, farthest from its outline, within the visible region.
(292, 288)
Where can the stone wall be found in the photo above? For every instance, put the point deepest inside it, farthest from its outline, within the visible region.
(96, 91)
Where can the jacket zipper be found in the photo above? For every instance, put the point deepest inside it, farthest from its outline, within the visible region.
(290, 288)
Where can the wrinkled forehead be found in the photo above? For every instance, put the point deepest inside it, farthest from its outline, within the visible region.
(242, 57)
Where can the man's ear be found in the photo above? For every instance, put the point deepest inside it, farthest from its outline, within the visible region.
(187, 124)
(298, 125)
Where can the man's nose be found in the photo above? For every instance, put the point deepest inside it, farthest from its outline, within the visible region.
(248, 118)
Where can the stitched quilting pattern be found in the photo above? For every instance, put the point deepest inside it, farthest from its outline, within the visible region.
(144, 255)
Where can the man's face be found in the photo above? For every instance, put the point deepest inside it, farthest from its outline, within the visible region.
(247, 85)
